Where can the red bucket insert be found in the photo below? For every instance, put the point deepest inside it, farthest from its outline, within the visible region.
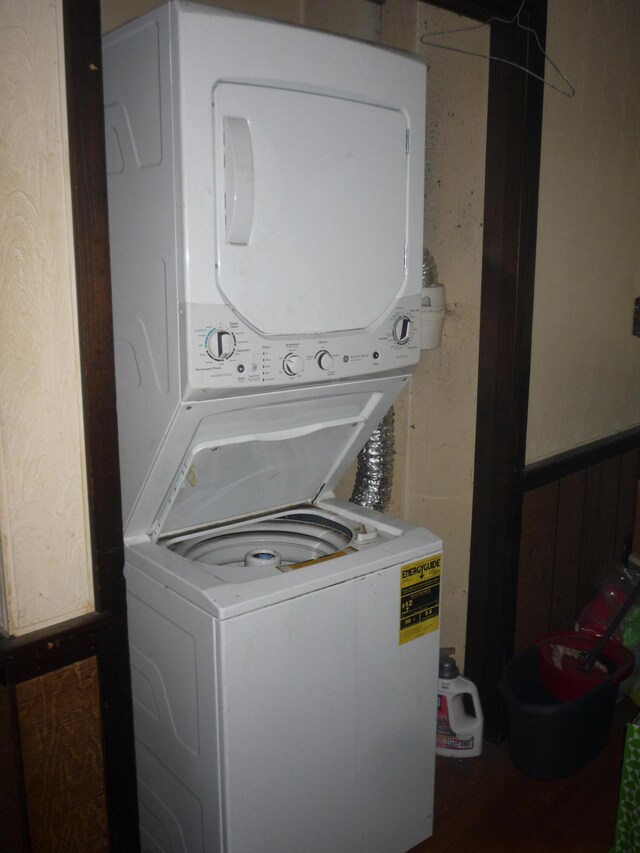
(562, 655)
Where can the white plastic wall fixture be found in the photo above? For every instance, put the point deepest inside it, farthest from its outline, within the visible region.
(432, 316)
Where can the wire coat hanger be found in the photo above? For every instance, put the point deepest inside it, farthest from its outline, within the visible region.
(568, 92)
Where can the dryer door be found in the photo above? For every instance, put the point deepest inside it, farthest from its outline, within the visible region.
(311, 208)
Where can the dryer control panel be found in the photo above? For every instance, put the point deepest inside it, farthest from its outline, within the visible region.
(223, 356)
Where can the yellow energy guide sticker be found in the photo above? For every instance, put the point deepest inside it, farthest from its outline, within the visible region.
(420, 597)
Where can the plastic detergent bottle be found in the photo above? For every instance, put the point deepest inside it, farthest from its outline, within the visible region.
(460, 720)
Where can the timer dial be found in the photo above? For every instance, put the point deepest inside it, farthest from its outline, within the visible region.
(402, 330)
(220, 344)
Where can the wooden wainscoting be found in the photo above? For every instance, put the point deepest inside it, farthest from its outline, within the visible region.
(67, 773)
(53, 781)
(61, 744)
(572, 528)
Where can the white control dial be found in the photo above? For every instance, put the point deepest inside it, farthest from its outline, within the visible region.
(402, 330)
(293, 364)
(220, 344)
(324, 360)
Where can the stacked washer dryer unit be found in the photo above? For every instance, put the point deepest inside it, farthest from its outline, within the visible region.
(265, 203)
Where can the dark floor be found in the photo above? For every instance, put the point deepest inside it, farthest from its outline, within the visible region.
(485, 804)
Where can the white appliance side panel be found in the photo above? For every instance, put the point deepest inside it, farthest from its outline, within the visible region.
(328, 724)
(170, 816)
(140, 181)
(172, 652)
(322, 248)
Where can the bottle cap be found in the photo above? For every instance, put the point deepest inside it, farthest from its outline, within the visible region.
(448, 668)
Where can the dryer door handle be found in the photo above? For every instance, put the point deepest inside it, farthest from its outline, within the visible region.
(239, 180)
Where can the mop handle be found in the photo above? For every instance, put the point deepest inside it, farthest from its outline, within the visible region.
(626, 607)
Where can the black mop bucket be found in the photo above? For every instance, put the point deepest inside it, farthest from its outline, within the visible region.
(551, 739)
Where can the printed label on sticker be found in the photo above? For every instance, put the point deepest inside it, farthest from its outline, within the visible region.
(420, 598)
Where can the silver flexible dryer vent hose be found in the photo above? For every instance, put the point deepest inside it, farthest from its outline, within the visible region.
(429, 270)
(374, 475)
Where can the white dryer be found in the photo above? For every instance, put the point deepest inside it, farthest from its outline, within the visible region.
(265, 206)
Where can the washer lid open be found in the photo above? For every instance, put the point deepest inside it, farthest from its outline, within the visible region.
(246, 456)
(252, 473)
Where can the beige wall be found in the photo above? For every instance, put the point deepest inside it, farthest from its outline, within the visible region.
(45, 540)
(585, 372)
(441, 401)
(116, 12)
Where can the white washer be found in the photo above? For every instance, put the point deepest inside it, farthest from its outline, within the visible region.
(265, 205)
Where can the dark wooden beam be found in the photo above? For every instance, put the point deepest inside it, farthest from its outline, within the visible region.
(85, 109)
(483, 10)
(514, 126)
(39, 652)
(91, 241)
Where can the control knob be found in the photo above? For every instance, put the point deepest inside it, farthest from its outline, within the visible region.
(293, 364)
(221, 344)
(402, 330)
(324, 360)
